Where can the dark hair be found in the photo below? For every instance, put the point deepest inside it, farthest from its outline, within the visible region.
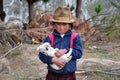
(71, 24)
(53, 23)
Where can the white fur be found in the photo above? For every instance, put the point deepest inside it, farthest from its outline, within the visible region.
(46, 49)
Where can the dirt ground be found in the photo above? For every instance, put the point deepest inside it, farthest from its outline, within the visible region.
(98, 57)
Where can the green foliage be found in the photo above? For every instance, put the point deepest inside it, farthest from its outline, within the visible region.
(113, 30)
(98, 8)
(109, 24)
(108, 78)
(110, 32)
(45, 1)
(17, 52)
(68, 5)
(71, 7)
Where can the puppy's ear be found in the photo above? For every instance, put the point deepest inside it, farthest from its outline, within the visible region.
(38, 48)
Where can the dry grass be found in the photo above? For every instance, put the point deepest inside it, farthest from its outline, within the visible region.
(27, 65)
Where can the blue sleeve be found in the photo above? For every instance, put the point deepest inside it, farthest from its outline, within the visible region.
(77, 48)
(44, 58)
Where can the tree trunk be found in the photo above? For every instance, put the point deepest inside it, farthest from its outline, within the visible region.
(30, 8)
(2, 13)
(78, 8)
(1, 6)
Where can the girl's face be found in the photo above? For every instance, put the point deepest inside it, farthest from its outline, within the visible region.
(62, 28)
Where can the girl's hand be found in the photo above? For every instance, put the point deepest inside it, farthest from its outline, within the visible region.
(59, 62)
(60, 52)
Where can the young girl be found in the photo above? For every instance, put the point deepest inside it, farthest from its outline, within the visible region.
(62, 20)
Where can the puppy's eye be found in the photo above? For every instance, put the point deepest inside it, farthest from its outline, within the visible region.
(46, 48)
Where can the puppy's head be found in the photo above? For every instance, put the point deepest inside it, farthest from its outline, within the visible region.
(43, 48)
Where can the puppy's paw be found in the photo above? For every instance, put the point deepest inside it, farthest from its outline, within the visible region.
(69, 58)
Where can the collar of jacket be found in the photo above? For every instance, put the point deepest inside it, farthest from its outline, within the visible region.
(69, 32)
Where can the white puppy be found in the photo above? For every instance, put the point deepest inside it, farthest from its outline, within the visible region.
(46, 49)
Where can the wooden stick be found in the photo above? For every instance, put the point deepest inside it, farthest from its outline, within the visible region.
(10, 51)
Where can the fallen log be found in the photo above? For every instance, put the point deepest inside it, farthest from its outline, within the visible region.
(83, 71)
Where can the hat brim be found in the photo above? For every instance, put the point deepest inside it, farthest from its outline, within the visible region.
(59, 21)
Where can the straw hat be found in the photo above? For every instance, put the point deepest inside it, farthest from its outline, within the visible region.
(63, 15)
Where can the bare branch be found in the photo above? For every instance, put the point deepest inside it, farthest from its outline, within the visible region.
(10, 51)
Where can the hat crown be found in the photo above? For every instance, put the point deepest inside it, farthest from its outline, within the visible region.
(63, 15)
